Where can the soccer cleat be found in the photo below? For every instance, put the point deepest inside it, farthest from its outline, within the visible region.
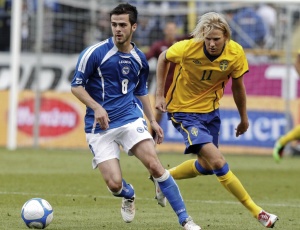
(277, 151)
(189, 224)
(266, 219)
(159, 196)
(128, 209)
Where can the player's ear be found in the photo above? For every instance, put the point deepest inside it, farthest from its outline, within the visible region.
(134, 26)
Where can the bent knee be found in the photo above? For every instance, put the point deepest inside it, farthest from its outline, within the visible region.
(156, 169)
(114, 186)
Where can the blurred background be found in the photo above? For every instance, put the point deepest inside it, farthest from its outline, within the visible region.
(40, 41)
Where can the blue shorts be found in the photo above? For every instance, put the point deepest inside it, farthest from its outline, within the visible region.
(197, 129)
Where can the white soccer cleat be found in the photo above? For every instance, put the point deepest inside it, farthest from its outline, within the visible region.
(266, 219)
(189, 224)
(159, 196)
(128, 209)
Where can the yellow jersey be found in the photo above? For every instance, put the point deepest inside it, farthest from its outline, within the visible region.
(198, 83)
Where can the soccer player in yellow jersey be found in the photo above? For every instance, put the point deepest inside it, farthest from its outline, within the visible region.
(293, 134)
(204, 65)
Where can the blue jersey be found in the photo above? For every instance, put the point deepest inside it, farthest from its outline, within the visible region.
(113, 79)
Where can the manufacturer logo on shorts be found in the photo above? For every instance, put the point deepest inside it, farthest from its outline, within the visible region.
(194, 131)
(140, 129)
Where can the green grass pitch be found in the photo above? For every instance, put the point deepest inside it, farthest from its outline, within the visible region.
(81, 200)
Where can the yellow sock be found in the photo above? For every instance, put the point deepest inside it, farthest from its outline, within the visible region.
(292, 135)
(234, 186)
(185, 170)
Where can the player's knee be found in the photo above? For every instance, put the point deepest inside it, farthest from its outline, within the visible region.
(155, 168)
(114, 186)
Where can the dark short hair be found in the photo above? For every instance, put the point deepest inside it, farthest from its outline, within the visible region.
(126, 8)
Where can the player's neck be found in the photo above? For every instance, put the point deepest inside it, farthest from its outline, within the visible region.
(125, 48)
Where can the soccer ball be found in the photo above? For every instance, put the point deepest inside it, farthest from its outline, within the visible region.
(37, 213)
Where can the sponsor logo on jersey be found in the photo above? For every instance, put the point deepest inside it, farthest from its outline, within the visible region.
(125, 62)
(125, 70)
(223, 65)
(194, 131)
(140, 129)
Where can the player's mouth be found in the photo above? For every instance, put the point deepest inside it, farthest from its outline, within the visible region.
(212, 51)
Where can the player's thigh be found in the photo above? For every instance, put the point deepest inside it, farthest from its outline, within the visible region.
(146, 153)
(111, 172)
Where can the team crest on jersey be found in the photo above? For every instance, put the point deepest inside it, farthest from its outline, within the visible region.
(125, 70)
(140, 129)
(223, 65)
(197, 62)
(194, 131)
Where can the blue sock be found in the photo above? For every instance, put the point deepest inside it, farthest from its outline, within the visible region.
(126, 191)
(170, 189)
(222, 171)
(202, 170)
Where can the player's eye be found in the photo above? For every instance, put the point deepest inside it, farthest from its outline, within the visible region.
(119, 24)
(123, 25)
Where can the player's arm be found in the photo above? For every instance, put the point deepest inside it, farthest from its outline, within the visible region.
(162, 69)
(297, 63)
(239, 96)
(149, 114)
(100, 113)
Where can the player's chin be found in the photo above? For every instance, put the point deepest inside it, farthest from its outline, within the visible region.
(213, 52)
(119, 38)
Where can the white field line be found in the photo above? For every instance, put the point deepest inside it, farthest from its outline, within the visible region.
(148, 199)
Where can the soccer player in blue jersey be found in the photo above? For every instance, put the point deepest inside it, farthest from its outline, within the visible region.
(204, 65)
(110, 79)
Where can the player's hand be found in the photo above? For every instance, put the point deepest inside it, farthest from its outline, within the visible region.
(159, 137)
(242, 128)
(160, 104)
(101, 117)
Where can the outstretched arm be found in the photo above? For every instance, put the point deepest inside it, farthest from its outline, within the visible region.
(162, 69)
(239, 96)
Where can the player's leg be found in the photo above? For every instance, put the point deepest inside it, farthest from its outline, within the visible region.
(111, 173)
(141, 145)
(145, 152)
(227, 178)
(191, 168)
(106, 157)
(195, 132)
(202, 138)
(292, 135)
